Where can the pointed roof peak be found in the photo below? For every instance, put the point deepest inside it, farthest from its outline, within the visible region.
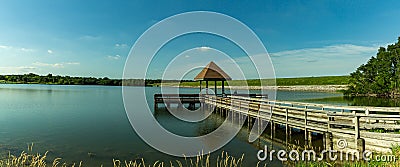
(212, 72)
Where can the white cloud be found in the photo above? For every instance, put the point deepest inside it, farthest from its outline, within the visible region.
(121, 45)
(26, 50)
(73, 63)
(89, 37)
(116, 57)
(204, 48)
(328, 60)
(5, 47)
(16, 49)
(50, 51)
(55, 65)
(17, 70)
(332, 51)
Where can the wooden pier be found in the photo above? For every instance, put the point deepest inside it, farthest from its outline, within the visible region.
(355, 124)
(191, 99)
(179, 99)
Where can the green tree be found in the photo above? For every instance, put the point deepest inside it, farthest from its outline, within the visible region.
(379, 76)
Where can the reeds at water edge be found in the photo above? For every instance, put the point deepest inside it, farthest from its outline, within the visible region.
(30, 159)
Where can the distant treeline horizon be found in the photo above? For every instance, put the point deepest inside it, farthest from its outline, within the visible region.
(32, 78)
(51, 79)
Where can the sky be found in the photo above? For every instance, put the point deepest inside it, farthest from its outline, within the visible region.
(94, 37)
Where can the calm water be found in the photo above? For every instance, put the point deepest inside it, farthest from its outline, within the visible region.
(74, 121)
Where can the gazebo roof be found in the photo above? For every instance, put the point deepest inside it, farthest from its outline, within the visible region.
(212, 73)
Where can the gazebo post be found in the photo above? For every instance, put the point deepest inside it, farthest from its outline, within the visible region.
(200, 85)
(207, 86)
(215, 87)
(223, 89)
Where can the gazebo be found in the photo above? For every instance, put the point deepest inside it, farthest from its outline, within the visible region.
(212, 73)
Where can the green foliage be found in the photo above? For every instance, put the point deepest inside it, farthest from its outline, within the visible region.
(59, 80)
(380, 76)
(324, 80)
(396, 149)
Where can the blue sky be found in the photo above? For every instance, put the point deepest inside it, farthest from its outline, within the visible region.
(93, 38)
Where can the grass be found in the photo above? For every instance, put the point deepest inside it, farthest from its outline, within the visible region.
(224, 160)
(348, 164)
(382, 130)
(30, 159)
(324, 80)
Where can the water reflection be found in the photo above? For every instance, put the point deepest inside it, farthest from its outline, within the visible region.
(72, 121)
(356, 101)
(373, 101)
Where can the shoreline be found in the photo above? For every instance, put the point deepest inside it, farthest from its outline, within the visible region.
(317, 88)
(314, 88)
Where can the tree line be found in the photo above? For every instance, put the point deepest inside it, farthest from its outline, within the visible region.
(380, 76)
(58, 80)
(32, 78)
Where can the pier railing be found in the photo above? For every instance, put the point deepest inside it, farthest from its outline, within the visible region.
(360, 126)
(341, 122)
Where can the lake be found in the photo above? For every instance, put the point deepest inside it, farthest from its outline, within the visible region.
(89, 123)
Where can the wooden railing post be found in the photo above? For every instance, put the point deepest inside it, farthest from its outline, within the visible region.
(305, 127)
(271, 110)
(287, 115)
(220, 102)
(366, 114)
(231, 110)
(357, 128)
(360, 142)
(287, 126)
(305, 116)
(155, 103)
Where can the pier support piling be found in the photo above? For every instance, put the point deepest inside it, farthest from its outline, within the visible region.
(309, 141)
(328, 141)
(360, 147)
(272, 130)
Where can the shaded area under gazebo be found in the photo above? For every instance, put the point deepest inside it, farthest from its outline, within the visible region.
(212, 72)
